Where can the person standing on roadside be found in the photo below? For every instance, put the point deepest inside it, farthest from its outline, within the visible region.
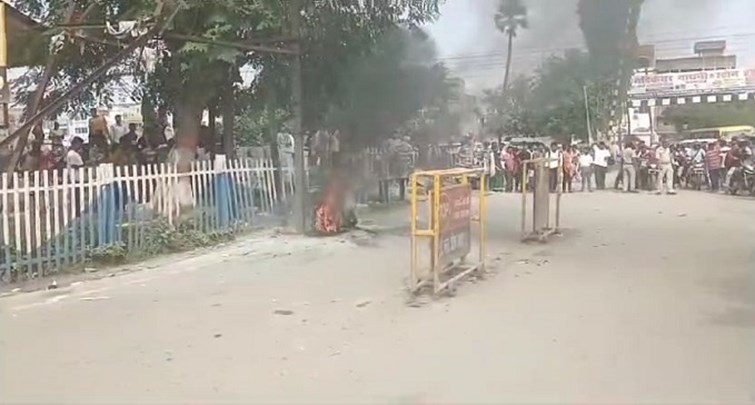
(570, 167)
(713, 164)
(585, 170)
(554, 163)
(732, 162)
(99, 132)
(629, 155)
(118, 130)
(523, 177)
(510, 168)
(600, 164)
(666, 170)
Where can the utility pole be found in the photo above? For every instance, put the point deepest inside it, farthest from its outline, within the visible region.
(4, 86)
(300, 176)
(587, 116)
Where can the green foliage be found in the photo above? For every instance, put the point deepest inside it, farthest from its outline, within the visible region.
(604, 27)
(163, 238)
(551, 103)
(76, 58)
(511, 16)
(335, 36)
(109, 255)
(609, 28)
(385, 90)
(252, 126)
(508, 113)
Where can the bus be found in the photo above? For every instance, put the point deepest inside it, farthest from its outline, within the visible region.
(725, 133)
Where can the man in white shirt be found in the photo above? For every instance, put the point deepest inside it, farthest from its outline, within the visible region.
(285, 148)
(554, 163)
(585, 169)
(698, 154)
(628, 158)
(117, 130)
(74, 163)
(74, 160)
(665, 165)
(600, 164)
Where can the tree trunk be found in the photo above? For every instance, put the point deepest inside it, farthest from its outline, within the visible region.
(149, 116)
(508, 62)
(212, 115)
(229, 115)
(272, 137)
(188, 117)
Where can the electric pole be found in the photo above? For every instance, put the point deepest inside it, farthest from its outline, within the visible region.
(300, 176)
(4, 86)
(587, 116)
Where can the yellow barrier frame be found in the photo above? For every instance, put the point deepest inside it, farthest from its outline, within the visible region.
(439, 179)
(537, 234)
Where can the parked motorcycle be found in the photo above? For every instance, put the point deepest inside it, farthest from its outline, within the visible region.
(696, 176)
(743, 179)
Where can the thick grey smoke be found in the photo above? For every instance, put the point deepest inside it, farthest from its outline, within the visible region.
(472, 47)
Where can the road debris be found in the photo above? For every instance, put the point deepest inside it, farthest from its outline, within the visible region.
(283, 312)
(363, 303)
(99, 298)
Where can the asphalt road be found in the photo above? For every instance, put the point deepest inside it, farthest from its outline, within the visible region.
(645, 299)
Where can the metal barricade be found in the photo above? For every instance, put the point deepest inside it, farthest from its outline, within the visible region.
(537, 177)
(442, 218)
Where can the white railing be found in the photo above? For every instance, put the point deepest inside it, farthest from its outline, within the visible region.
(51, 220)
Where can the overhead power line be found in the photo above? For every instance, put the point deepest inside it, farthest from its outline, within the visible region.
(563, 49)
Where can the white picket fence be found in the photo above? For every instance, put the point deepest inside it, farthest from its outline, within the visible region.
(53, 220)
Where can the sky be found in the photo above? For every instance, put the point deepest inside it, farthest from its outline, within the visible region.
(475, 50)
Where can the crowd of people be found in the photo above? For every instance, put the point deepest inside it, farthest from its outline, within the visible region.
(505, 163)
(661, 168)
(695, 165)
(119, 143)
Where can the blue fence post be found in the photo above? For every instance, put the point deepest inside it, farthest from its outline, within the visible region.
(107, 225)
(222, 192)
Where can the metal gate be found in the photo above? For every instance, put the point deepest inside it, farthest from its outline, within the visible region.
(442, 224)
(546, 214)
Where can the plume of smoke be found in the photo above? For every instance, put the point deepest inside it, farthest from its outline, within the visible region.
(466, 28)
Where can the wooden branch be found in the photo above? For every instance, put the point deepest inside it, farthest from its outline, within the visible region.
(50, 68)
(23, 131)
(238, 45)
(271, 40)
(101, 41)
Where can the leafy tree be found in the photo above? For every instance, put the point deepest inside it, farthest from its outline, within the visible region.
(380, 92)
(610, 31)
(196, 74)
(395, 84)
(551, 103)
(508, 112)
(511, 16)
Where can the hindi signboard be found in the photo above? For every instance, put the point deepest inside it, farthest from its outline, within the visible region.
(455, 222)
(692, 82)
